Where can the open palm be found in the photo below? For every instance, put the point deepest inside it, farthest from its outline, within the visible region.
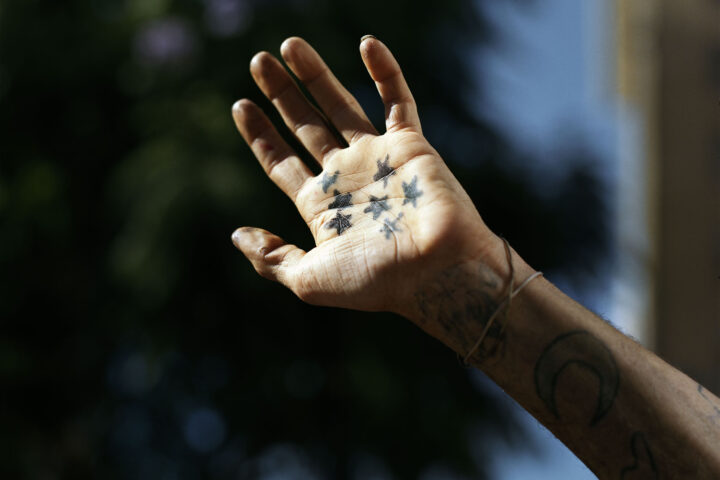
(386, 213)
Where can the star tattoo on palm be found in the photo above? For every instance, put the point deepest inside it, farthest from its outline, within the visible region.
(342, 200)
(384, 170)
(377, 206)
(328, 180)
(339, 222)
(350, 227)
(390, 226)
(411, 192)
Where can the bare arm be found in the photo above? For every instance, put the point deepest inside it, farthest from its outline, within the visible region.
(621, 409)
(395, 231)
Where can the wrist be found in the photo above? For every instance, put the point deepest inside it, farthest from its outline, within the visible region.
(454, 303)
(495, 257)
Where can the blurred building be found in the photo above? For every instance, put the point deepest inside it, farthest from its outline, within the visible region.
(669, 76)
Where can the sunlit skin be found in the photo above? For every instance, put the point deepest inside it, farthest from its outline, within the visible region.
(395, 231)
(360, 269)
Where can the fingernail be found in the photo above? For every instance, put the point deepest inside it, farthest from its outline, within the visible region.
(365, 37)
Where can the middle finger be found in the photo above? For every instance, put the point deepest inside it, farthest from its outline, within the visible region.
(299, 115)
(342, 109)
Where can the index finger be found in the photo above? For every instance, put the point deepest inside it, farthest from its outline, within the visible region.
(400, 107)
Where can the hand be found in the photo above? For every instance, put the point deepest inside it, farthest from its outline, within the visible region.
(386, 213)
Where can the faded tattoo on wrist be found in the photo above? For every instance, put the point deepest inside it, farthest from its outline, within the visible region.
(456, 305)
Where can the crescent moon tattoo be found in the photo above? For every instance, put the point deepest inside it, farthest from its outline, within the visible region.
(582, 349)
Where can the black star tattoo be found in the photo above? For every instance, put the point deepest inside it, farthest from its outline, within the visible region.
(340, 223)
(328, 180)
(390, 226)
(377, 206)
(384, 171)
(411, 191)
(342, 200)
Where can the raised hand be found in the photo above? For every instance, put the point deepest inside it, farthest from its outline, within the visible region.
(386, 213)
(395, 231)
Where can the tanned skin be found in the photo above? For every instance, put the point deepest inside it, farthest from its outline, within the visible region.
(395, 231)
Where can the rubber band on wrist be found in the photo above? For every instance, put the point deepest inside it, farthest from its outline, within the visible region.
(507, 302)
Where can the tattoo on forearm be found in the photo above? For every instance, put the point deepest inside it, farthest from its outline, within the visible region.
(342, 200)
(582, 349)
(390, 226)
(643, 466)
(339, 222)
(328, 180)
(411, 192)
(384, 170)
(716, 409)
(377, 206)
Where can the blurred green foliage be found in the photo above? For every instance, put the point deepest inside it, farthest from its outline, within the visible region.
(136, 343)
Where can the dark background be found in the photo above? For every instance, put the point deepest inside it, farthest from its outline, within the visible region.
(136, 342)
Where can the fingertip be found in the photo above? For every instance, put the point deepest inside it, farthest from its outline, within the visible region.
(378, 59)
(240, 107)
(240, 113)
(249, 119)
(255, 60)
(291, 45)
(369, 46)
(236, 107)
(260, 61)
(237, 236)
(255, 242)
(301, 57)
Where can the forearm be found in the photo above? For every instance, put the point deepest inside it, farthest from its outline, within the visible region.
(621, 409)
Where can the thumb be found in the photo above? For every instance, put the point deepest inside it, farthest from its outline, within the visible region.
(270, 255)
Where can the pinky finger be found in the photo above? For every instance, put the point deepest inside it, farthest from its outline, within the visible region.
(279, 161)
